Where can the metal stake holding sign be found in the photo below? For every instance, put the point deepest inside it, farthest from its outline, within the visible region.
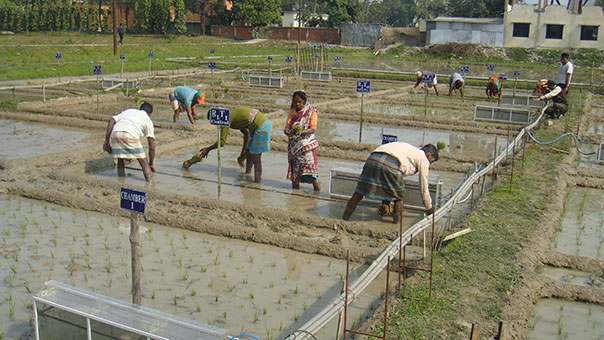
(270, 69)
(212, 50)
(219, 117)
(96, 70)
(58, 56)
(516, 74)
(150, 55)
(426, 79)
(212, 67)
(122, 57)
(362, 88)
(134, 201)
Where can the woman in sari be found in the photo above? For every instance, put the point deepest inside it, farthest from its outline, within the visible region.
(302, 145)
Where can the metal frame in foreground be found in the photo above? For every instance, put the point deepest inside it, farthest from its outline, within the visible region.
(504, 114)
(601, 152)
(117, 314)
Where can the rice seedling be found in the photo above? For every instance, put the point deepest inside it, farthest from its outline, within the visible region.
(255, 317)
(245, 280)
(280, 326)
(216, 262)
(294, 267)
(10, 280)
(184, 245)
(271, 284)
(203, 269)
(211, 284)
(198, 309)
(251, 259)
(317, 294)
(210, 250)
(304, 306)
(26, 286)
(185, 276)
(230, 254)
(105, 245)
(230, 288)
(179, 262)
(296, 290)
(251, 295)
(296, 317)
(85, 277)
(216, 297)
(321, 273)
(172, 247)
(279, 302)
(11, 307)
(224, 315)
(193, 292)
(13, 268)
(285, 278)
(175, 300)
(153, 295)
(560, 325)
(273, 264)
(109, 281)
(29, 266)
(108, 264)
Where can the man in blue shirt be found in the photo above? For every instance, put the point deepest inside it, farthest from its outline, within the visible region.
(184, 99)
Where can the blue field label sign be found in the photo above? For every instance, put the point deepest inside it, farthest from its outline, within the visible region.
(491, 68)
(503, 76)
(58, 55)
(96, 69)
(363, 86)
(288, 59)
(389, 139)
(337, 58)
(212, 50)
(464, 69)
(220, 116)
(516, 73)
(133, 200)
(150, 54)
(122, 56)
(427, 78)
(270, 57)
(211, 65)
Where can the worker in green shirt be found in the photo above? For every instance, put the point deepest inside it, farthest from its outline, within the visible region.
(256, 129)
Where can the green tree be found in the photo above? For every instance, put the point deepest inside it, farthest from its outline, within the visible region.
(428, 9)
(43, 23)
(94, 18)
(67, 19)
(104, 18)
(201, 7)
(54, 16)
(257, 13)
(219, 15)
(85, 15)
(180, 13)
(32, 16)
(341, 11)
(160, 16)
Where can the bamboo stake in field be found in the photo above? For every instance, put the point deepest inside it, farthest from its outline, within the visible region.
(135, 256)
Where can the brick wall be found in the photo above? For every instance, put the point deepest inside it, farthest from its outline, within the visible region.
(324, 35)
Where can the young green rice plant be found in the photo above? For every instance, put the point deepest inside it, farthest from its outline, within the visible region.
(251, 295)
(216, 297)
(245, 280)
(216, 262)
(193, 292)
(211, 284)
(224, 315)
(285, 278)
(184, 245)
(109, 281)
(10, 280)
(271, 284)
(317, 294)
(273, 264)
(172, 247)
(210, 250)
(296, 317)
(175, 300)
(279, 301)
(26, 286)
(296, 290)
(153, 295)
(86, 277)
(251, 259)
(13, 268)
(108, 264)
(321, 273)
(29, 266)
(230, 288)
(100, 226)
(294, 267)
(255, 317)
(280, 326)
(197, 308)
(185, 276)
(560, 325)
(179, 262)
(203, 269)
(230, 254)
(11, 307)
(304, 306)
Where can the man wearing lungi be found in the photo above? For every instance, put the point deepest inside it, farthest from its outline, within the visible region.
(383, 172)
(184, 99)
(256, 129)
(123, 138)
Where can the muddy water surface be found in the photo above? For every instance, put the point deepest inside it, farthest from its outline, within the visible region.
(561, 319)
(571, 276)
(236, 285)
(21, 140)
(418, 111)
(582, 227)
(274, 192)
(457, 143)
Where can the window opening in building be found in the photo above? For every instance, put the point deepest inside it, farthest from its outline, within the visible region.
(521, 30)
(589, 33)
(554, 31)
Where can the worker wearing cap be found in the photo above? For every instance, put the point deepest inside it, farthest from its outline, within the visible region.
(184, 98)
(559, 105)
(433, 83)
(494, 87)
(541, 87)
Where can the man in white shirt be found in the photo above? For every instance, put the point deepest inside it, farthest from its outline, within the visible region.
(566, 72)
(123, 138)
(383, 172)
